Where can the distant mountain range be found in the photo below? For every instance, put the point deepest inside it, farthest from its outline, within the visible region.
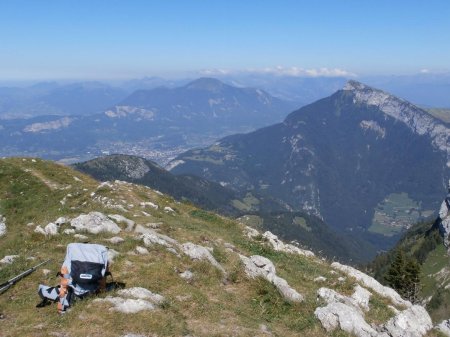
(51, 98)
(365, 161)
(157, 123)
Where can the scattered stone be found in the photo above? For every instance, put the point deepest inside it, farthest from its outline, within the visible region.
(371, 283)
(197, 252)
(320, 279)
(145, 213)
(30, 224)
(341, 279)
(95, 222)
(49, 230)
(8, 259)
(259, 266)
(412, 322)
(61, 221)
(115, 240)
(2, 225)
(77, 179)
(173, 251)
(143, 294)
(154, 225)
(127, 306)
(142, 250)
(280, 246)
(444, 327)
(121, 219)
(69, 231)
(187, 275)
(143, 299)
(46, 272)
(81, 237)
(250, 232)
(168, 209)
(150, 204)
(150, 237)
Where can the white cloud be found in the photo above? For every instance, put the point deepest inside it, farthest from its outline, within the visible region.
(283, 71)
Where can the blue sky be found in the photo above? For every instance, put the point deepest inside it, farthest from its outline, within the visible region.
(43, 39)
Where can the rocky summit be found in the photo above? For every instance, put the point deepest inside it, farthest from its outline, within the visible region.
(369, 163)
(188, 272)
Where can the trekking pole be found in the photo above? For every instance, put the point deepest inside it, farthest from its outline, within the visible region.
(8, 284)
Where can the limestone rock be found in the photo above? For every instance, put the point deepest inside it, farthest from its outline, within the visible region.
(8, 259)
(115, 240)
(197, 252)
(81, 237)
(280, 246)
(94, 222)
(69, 231)
(142, 250)
(362, 297)
(345, 312)
(61, 221)
(127, 306)
(151, 237)
(187, 275)
(143, 294)
(49, 230)
(259, 266)
(168, 209)
(346, 317)
(412, 322)
(371, 283)
(2, 225)
(149, 203)
(250, 232)
(320, 279)
(444, 327)
(121, 219)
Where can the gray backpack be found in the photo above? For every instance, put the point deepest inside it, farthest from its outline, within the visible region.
(83, 273)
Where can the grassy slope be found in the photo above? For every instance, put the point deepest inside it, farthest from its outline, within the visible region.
(32, 191)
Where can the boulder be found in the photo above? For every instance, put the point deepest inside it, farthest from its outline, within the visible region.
(121, 219)
(345, 312)
(128, 305)
(280, 246)
(61, 221)
(151, 237)
(259, 266)
(197, 252)
(373, 284)
(94, 222)
(346, 317)
(49, 230)
(81, 237)
(444, 327)
(412, 322)
(250, 232)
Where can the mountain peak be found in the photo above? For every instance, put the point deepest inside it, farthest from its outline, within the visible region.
(206, 83)
(355, 85)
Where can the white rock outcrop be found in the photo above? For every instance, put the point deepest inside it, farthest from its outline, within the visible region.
(345, 312)
(412, 322)
(94, 222)
(259, 266)
(444, 327)
(121, 219)
(133, 300)
(372, 284)
(142, 250)
(49, 230)
(280, 246)
(151, 237)
(143, 294)
(2, 225)
(8, 259)
(197, 252)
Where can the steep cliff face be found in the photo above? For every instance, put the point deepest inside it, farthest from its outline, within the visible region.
(361, 159)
